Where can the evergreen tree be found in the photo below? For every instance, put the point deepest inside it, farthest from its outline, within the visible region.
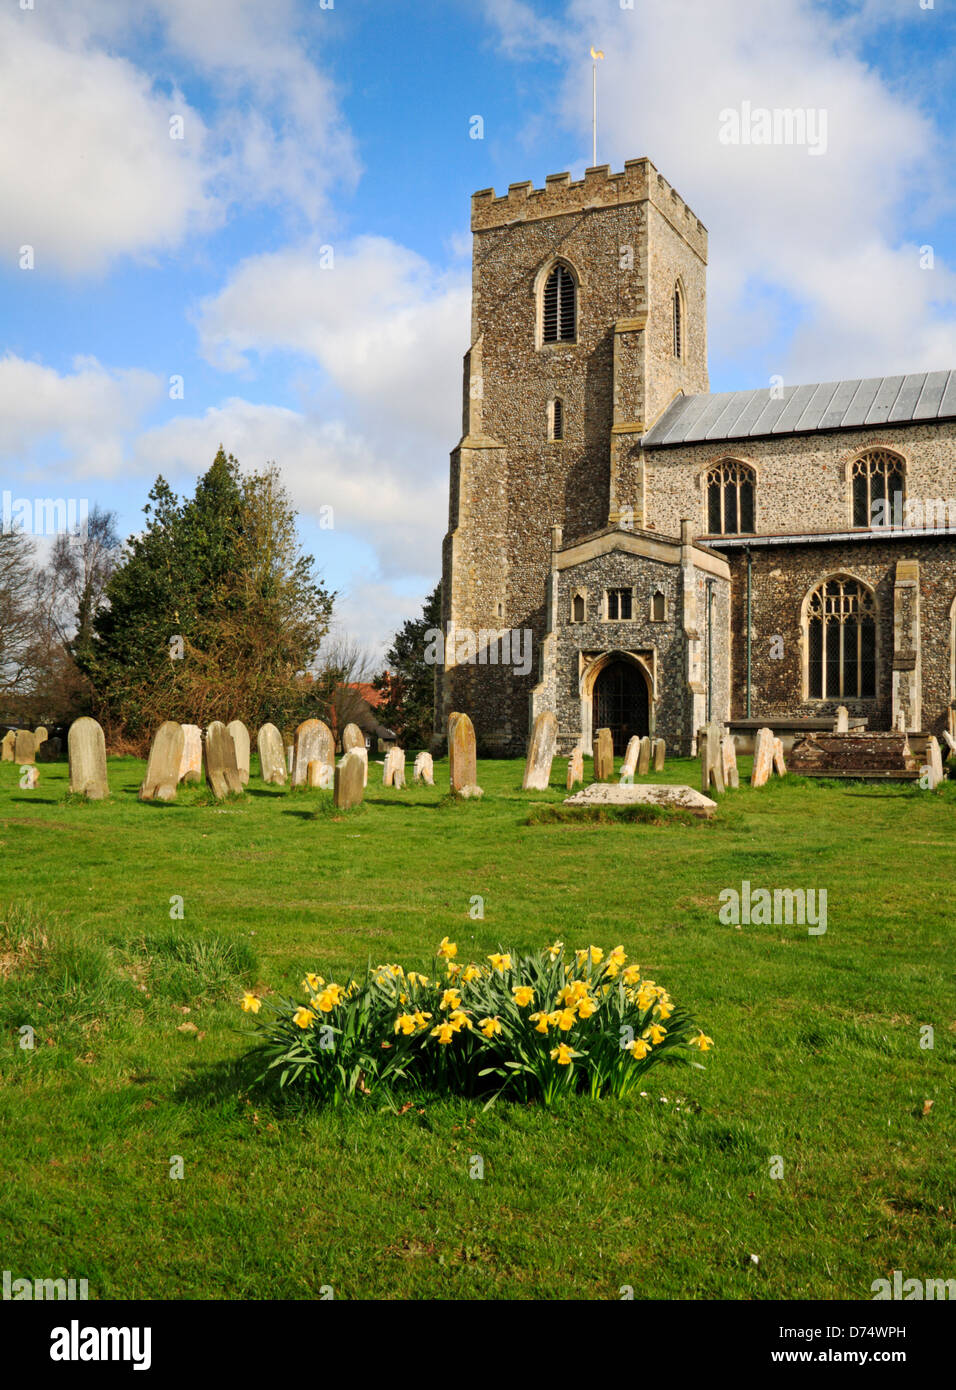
(409, 682)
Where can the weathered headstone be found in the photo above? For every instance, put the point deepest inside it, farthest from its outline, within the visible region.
(934, 759)
(631, 754)
(86, 748)
(165, 759)
(462, 758)
(393, 773)
(319, 774)
(728, 761)
(644, 758)
(313, 743)
(541, 750)
(603, 755)
(575, 768)
(779, 766)
(239, 734)
(289, 757)
(49, 750)
(763, 758)
(40, 735)
(349, 781)
(8, 744)
(842, 725)
(352, 737)
(424, 769)
(659, 752)
(190, 767)
(25, 750)
(222, 772)
(271, 755)
(711, 767)
(950, 743)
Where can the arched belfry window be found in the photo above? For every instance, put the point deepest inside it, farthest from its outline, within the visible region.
(730, 498)
(678, 323)
(559, 305)
(877, 478)
(841, 641)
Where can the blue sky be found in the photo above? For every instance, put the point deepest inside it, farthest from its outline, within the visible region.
(348, 128)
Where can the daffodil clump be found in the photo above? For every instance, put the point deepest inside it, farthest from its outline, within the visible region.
(530, 1024)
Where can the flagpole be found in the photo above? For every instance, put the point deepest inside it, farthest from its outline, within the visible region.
(594, 113)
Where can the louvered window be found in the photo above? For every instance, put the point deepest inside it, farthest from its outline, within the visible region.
(678, 324)
(557, 419)
(559, 307)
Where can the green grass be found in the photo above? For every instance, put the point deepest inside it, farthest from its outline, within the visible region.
(817, 1058)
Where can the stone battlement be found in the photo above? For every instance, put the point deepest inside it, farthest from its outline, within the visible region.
(599, 188)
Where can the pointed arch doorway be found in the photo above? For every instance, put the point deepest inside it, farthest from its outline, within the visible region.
(617, 697)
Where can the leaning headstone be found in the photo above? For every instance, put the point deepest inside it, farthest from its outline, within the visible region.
(424, 769)
(541, 750)
(25, 749)
(86, 747)
(934, 759)
(779, 766)
(39, 735)
(631, 754)
(842, 725)
(603, 755)
(728, 761)
(222, 772)
(763, 758)
(239, 734)
(313, 744)
(9, 742)
(190, 767)
(644, 758)
(711, 768)
(462, 758)
(393, 774)
(659, 753)
(349, 781)
(165, 758)
(320, 774)
(271, 755)
(575, 769)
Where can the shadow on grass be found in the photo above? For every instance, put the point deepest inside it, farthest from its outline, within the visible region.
(211, 1084)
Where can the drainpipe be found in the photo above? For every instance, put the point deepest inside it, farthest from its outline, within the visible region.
(749, 575)
(710, 633)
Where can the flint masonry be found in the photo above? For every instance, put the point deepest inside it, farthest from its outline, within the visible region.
(677, 555)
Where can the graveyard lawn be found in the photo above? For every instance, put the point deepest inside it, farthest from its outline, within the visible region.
(817, 1073)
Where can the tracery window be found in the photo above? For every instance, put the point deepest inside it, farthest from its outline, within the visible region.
(877, 479)
(730, 498)
(841, 641)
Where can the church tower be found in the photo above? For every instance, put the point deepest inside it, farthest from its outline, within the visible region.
(588, 318)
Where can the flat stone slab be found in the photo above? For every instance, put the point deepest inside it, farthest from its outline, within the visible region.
(647, 793)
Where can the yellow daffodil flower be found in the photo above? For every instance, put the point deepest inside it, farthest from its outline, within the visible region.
(656, 1033)
(586, 1007)
(405, 1023)
(596, 954)
(470, 972)
(459, 1019)
(421, 1019)
(638, 1048)
(632, 975)
(415, 979)
(454, 970)
(303, 1017)
(490, 1026)
(664, 1009)
(447, 948)
(313, 982)
(523, 994)
(450, 999)
(702, 1041)
(555, 950)
(542, 1020)
(250, 1003)
(444, 1032)
(566, 1020)
(561, 1054)
(500, 962)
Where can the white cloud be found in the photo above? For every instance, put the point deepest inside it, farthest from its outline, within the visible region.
(834, 235)
(86, 414)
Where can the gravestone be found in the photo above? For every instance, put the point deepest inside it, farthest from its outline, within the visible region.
(39, 735)
(711, 767)
(271, 757)
(575, 769)
(222, 772)
(349, 781)
(49, 750)
(779, 766)
(541, 750)
(313, 744)
(728, 762)
(8, 744)
(319, 774)
(25, 750)
(645, 794)
(239, 734)
(861, 753)
(289, 757)
(352, 737)
(659, 753)
(393, 773)
(842, 725)
(934, 759)
(950, 743)
(165, 759)
(462, 759)
(424, 769)
(86, 748)
(763, 758)
(644, 757)
(190, 767)
(631, 754)
(603, 766)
